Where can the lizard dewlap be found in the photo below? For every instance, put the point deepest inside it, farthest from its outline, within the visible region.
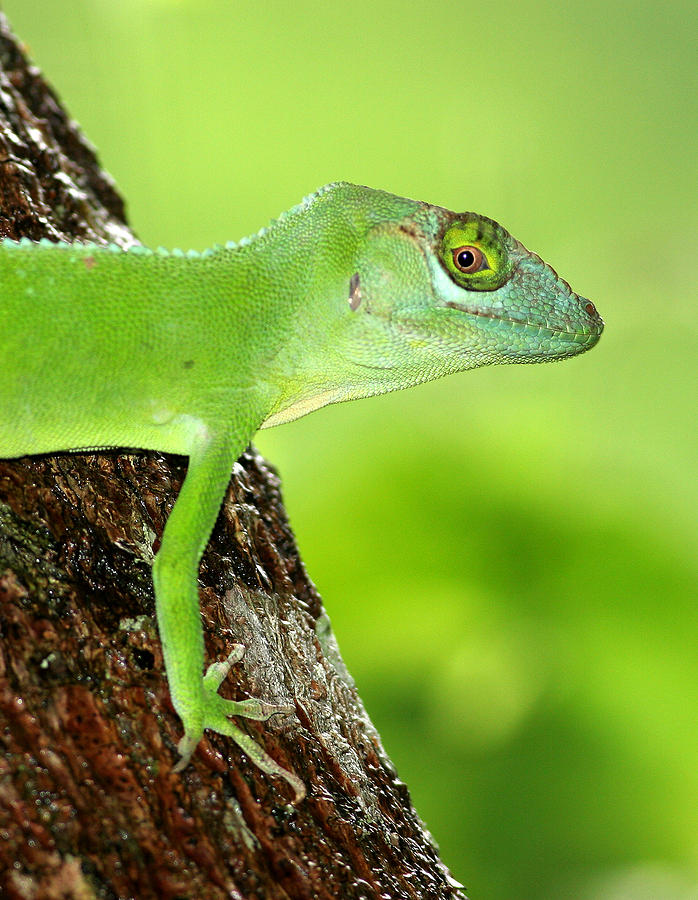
(351, 293)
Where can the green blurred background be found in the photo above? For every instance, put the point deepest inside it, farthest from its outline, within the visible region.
(508, 556)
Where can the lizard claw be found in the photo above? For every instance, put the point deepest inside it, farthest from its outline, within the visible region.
(216, 713)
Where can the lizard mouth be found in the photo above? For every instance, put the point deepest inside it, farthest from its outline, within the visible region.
(592, 333)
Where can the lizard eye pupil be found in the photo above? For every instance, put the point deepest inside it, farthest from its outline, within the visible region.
(468, 259)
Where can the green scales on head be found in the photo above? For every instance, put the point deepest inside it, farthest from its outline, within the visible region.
(351, 293)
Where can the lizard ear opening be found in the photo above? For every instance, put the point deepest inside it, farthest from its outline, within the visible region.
(475, 253)
(354, 292)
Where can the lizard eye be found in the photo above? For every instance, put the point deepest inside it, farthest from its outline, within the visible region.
(476, 253)
(469, 259)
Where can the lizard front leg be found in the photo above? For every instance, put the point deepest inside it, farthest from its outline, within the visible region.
(175, 575)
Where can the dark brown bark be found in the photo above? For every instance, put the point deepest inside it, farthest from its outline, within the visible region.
(89, 806)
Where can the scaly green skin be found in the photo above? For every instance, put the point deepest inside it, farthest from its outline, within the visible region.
(354, 292)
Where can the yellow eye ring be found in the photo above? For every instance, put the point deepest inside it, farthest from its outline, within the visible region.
(476, 253)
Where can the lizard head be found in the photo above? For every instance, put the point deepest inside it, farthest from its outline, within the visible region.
(458, 291)
(422, 292)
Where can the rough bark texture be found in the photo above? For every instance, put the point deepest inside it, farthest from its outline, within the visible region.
(89, 806)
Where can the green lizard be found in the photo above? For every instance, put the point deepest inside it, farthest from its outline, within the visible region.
(351, 293)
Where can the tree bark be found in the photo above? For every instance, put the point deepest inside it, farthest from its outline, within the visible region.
(89, 806)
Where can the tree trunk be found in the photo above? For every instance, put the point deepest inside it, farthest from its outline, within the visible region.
(89, 806)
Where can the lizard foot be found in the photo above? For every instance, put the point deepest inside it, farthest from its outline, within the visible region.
(215, 716)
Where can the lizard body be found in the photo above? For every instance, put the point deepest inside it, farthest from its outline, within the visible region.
(351, 293)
